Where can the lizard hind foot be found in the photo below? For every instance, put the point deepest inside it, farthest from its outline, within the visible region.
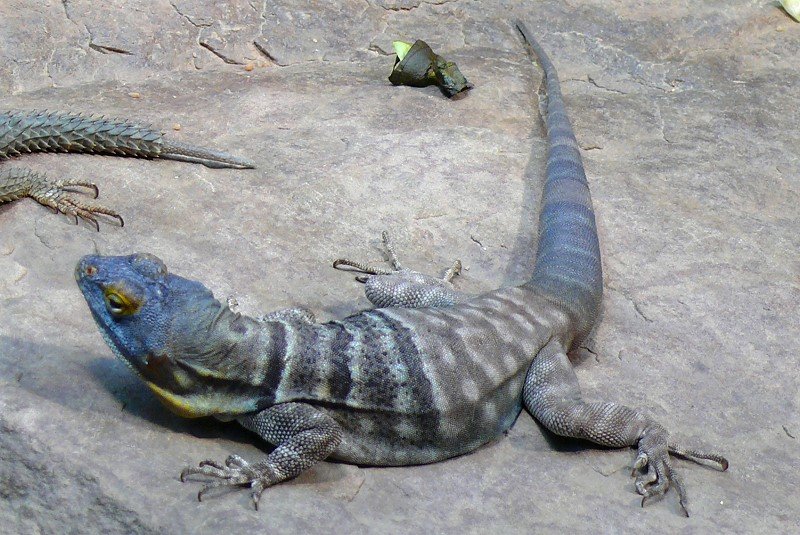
(402, 287)
(366, 269)
(653, 467)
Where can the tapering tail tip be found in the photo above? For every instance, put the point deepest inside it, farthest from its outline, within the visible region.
(531, 43)
(522, 29)
(174, 150)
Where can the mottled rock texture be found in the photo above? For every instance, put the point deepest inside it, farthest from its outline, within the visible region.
(688, 113)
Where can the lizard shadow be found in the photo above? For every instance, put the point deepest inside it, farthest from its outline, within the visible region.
(138, 401)
(70, 377)
(74, 379)
(524, 248)
(10, 207)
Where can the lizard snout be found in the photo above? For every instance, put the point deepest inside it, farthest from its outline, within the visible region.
(87, 267)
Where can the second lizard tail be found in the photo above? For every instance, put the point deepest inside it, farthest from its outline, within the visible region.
(41, 131)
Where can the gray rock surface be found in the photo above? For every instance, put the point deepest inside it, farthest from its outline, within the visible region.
(688, 114)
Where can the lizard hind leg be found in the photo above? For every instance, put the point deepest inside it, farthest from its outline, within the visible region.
(402, 287)
(553, 396)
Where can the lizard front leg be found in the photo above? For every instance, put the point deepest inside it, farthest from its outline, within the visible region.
(401, 287)
(552, 394)
(303, 436)
(16, 183)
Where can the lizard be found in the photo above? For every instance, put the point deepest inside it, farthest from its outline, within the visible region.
(429, 374)
(41, 131)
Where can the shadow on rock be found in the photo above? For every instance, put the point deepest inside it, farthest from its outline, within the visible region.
(77, 380)
(136, 399)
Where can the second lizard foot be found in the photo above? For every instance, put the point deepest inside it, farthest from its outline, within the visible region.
(60, 197)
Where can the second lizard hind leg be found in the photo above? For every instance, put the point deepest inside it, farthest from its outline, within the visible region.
(402, 287)
(60, 195)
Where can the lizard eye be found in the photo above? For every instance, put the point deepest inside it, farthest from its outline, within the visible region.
(117, 303)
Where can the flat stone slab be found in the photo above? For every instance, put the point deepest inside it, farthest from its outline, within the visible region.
(688, 117)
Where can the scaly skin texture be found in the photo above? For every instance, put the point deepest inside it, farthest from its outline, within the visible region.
(37, 131)
(428, 375)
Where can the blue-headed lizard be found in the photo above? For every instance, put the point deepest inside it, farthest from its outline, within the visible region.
(429, 374)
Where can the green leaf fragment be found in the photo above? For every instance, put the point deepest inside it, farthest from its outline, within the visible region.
(401, 48)
(792, 7)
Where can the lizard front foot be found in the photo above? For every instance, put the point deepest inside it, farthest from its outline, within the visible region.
(235, 472)
(16, 183)
(302, 434)
(402, 287)
(653, 468)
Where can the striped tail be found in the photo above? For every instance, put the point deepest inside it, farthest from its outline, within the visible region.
(38, 131)
(568, 254)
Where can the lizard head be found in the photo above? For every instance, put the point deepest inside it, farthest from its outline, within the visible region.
(127, 296)
(162, 326)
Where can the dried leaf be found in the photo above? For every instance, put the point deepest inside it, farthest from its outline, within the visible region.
(418, 66)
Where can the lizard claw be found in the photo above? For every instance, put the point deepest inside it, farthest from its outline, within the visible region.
(57, 196)
(258, 487)
(653, 467)
(366, 269)
(234, 472)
